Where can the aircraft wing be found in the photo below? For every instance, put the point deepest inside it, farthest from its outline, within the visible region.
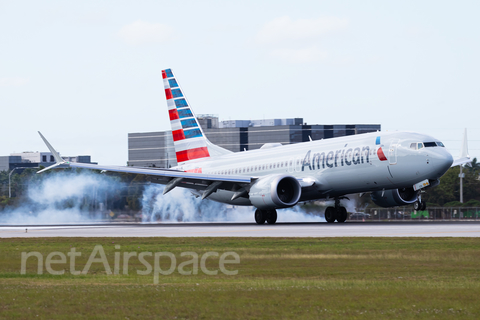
(171, 178)
(460, 161)
(191, 180)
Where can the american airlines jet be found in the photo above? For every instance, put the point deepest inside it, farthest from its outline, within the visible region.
(394, 167)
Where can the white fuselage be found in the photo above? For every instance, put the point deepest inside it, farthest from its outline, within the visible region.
(337, 166)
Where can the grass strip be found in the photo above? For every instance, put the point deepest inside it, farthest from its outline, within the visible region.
(285, 278)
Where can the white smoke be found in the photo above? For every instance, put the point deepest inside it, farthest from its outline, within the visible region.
(180, 205)
(61, 197)
(80, 197)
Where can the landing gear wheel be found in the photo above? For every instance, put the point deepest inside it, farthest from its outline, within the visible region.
(341, 214)
(260, 216)
(330, 214)
(271, 216)
(424, 206)
(419, 206)
(416, 205)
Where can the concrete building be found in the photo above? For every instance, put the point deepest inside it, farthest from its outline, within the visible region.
(155, 149)
(151, 149)
(30, 159)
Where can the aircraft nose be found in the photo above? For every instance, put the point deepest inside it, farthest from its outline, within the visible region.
(442, 161)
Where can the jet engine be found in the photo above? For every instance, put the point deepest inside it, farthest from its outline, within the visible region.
(395, 197)
(277, 191)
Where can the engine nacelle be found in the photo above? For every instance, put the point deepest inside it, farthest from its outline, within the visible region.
(395, 197)
(273, 192)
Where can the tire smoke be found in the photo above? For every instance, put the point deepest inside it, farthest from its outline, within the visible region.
(62, 197)
(180, 205)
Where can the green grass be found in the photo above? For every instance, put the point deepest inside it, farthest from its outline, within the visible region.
(283, 278)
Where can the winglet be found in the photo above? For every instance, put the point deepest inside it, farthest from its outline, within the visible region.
(464, 152)
(57, 157)
(464, 156)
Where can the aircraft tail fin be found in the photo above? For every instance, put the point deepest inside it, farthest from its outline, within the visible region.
(188, 137)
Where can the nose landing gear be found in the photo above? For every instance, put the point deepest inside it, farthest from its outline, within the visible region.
(419, 206)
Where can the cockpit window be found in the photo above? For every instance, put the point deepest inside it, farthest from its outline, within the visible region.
(433, 144)
(420, 145)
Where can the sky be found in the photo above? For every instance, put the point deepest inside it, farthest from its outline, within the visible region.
(87, 73)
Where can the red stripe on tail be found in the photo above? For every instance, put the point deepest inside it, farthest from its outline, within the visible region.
(164, 74)
(173, 114)
(178, 135)
(192, 154)
(168, 94)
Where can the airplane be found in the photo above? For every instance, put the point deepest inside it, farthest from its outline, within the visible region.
(394, 167)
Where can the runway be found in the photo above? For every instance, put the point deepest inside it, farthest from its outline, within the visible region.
(285, 230)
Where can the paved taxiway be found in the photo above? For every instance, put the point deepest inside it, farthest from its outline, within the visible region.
(348, 229)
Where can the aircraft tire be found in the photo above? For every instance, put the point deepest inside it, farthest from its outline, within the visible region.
(423, 206)
(271, 216)
(330, 214)
(417, 205)
(260, 216)
(342, 214)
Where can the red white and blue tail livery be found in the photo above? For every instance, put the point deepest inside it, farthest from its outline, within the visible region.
(188, 137)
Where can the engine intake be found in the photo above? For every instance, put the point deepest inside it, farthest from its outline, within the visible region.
(274, 192)
(395, 197)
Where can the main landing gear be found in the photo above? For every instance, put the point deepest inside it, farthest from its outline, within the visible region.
(270, 216)
(338, 213)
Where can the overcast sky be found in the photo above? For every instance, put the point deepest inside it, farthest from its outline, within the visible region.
(86, 73)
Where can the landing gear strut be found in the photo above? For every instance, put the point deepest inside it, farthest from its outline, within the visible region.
(338, 213)
(270, 216)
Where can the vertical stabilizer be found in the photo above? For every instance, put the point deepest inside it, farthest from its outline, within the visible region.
(189, 140)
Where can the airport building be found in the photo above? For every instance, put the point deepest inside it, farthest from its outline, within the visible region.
(155, 149)
(30, 159)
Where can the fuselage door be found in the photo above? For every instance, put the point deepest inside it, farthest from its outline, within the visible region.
(392, 152)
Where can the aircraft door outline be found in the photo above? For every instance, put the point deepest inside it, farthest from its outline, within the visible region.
(392, 152)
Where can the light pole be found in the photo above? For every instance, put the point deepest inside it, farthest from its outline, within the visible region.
(9, 184)
(461, 176)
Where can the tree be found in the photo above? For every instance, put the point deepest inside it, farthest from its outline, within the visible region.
(474, 167)
(449, 188)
